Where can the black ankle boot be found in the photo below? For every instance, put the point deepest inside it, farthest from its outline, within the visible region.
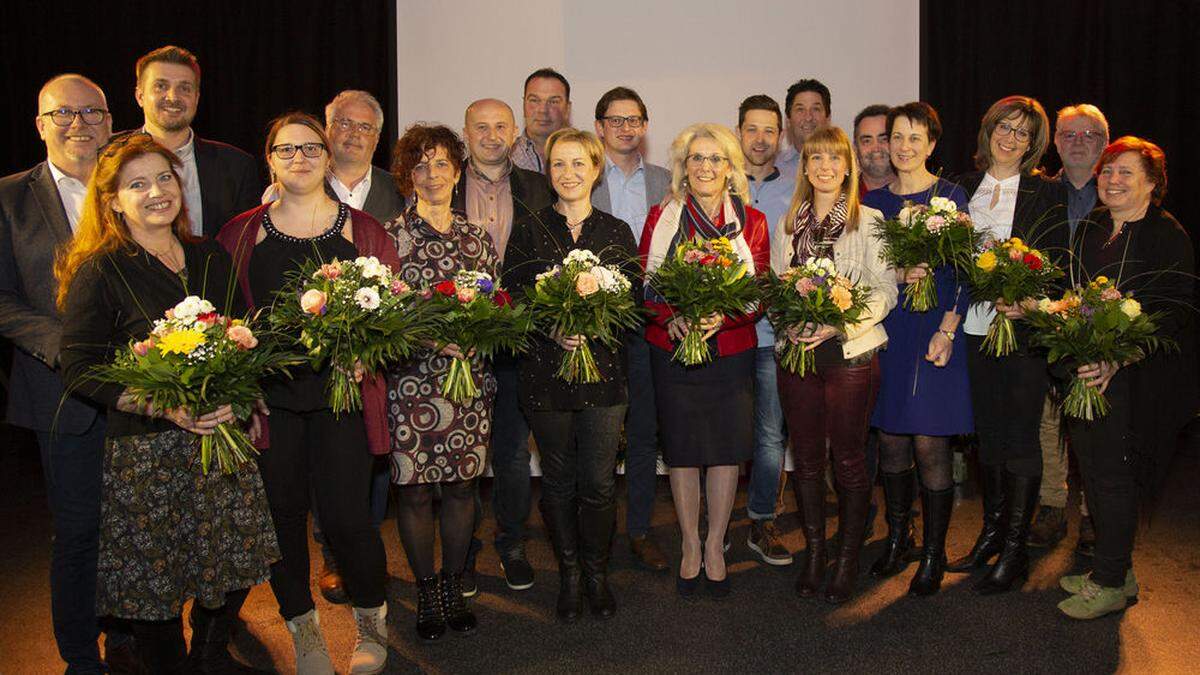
(595, 537)
(991, 537)
(810, 497)
(935, 511)
(160, 646)
(897, 500)
(211, 630)
(459, 617)
(431, 622)
(562, 521)
(1013, 563)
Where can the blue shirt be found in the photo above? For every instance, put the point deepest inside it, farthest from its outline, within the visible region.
(627, 195)
(771, 195)
(1080, 201)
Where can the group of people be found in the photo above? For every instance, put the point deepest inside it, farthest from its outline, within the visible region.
(111, 231)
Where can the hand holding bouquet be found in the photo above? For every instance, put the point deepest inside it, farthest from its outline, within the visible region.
(357, 315)
(701, 279)
(937, 235)
(478, 316)
(1009, 272)
(198, 360)
(581, 297)
(1093, 324)
(813, 293)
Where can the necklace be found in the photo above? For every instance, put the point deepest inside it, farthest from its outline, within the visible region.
(579, 223)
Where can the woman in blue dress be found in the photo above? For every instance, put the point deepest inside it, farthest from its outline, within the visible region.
(924, 397)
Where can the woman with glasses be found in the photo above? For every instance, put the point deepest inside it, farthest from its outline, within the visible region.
(1009, 199)
(923, 398)
(307, 440)
(169, 532)
(706, 412)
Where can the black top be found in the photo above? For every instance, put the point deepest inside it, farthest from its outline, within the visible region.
(116, 297)
(538, 243)
(273, 259)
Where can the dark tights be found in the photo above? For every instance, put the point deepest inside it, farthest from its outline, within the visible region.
(933, 458)
(414, 519)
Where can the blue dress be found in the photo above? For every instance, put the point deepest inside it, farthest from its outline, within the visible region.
(915, 396)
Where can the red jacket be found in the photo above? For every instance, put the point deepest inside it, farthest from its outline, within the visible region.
(737, 333)
(239, 237)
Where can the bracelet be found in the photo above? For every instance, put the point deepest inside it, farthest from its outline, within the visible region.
(949, 335)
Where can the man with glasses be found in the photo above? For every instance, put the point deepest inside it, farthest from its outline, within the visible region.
(629, 188)
(494, 193)
(1080, 135)
(39, 211)
(219, 181)
(547, 101)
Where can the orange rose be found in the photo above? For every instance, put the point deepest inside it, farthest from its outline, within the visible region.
(841, 297)
(586, 284)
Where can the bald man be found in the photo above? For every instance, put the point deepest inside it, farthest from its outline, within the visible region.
(39, 211)
(493, 192)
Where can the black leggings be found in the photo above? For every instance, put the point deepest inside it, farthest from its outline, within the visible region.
(414, 520)
(1007, 395)
(932, 453)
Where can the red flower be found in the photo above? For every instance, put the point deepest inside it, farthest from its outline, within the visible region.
(1032, 262)
(708, 259)
(446, 288)
(208, 318)
(502, 298)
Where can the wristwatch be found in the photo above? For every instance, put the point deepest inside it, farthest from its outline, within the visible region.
(949, 334)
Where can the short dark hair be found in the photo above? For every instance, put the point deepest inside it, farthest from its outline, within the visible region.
(807, 85)
(1154, 162)
(619, 94)
(549, 73)
(759, 102)
(417, 141)
(917, 112)
(873, 110)
(168, 54)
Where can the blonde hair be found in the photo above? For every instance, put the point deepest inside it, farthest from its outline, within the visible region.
(730, 146)
(833, 140)
(586, 139)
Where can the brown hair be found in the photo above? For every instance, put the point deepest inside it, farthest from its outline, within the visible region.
(1154, 162)
(917, 112)
(418, 141)
(168, 54)
(294, 117)
(826, 139)
(1003, 109)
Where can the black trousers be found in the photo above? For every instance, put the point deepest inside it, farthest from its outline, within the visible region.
(578, 453)
(1007, 395)
(322, 456)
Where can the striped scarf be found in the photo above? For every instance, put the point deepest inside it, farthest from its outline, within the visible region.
(815, 239)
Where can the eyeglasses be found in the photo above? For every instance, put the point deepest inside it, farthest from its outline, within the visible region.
(119, 140)
(616, 121)
(364, 128)
(65, 117)
(1006, 129)
(1086, 136)
(716, 160)
(288, 150)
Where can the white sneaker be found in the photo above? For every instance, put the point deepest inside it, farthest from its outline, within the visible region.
(312, 657)
(370, 647)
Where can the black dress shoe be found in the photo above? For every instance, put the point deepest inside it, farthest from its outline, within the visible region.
(687, 587)
(718, 590)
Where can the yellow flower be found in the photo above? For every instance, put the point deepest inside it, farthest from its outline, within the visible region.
(1016, 242)
(741, 272)
(722, 245)
(986, 261)
(1099, 281)
(180, 342)
(1132, 308)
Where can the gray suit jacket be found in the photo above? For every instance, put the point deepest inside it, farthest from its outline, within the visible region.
(33, 225)
(384, 201)
(658, 182)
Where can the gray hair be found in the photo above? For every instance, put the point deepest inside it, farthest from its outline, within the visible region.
(355, 96)
(1084, 110)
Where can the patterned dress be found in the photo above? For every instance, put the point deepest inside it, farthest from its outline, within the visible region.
(433, 439)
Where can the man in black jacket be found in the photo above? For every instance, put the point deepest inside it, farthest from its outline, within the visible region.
(219, 181)
(353, 122)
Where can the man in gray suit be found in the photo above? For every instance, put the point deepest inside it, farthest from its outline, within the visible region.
(353, 122)
(39, 210)
(630, 187)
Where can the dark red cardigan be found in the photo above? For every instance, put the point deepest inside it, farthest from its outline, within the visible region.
(239, 236)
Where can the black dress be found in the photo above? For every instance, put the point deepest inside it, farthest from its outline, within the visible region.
(167, 531)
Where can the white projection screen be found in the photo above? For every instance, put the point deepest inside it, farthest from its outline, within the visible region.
(690, 60)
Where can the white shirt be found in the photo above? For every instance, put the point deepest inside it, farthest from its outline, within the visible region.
(191, 183)
(71, 192)
(991, 208)
(353, 197)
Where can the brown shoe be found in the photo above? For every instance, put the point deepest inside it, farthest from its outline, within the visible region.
(647, 554)
(330, 583)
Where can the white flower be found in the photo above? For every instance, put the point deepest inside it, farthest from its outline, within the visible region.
(367, 298)
(905, 215)
(583, 256)
(942, 205)
(822, 264)
(189, 307)
(1132, 308)
(553, 271)
(1044, 305)
(605, 278)
(372, 269)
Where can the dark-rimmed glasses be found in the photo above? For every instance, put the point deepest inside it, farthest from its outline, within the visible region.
(65, 117)
(288, 150)
(1006, 129)
(616, 121)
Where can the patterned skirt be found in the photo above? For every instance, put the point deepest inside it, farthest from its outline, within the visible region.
(169, 533)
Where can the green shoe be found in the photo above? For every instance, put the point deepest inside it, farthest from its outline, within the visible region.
(1093, 601)
(1074, 583)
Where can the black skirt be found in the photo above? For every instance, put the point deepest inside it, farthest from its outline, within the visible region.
(705, 413)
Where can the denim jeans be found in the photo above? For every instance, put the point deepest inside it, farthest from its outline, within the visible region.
(510, 459)
(641, 436)
(769, 447)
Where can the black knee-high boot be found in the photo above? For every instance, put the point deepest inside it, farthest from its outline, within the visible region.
(562, 524)
(991, 537)
(897, 499)
(211, 630)
(1013, 563)
(936, 506)
(595, 536)
(160, 645)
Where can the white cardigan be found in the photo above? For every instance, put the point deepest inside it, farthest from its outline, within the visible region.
(857, 255)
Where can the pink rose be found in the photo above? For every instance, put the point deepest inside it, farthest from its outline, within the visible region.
(935, 223)
(1110, 293)
(692, 256)
(586, 284)
(1014, 254)
(242, 336)
(804, 286)
(142, 347)
(398, 287)
(330, 270)
(466, 294)
(313, 302)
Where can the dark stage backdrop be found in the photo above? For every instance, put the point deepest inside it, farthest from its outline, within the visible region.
(1138, 61)
(259, 59)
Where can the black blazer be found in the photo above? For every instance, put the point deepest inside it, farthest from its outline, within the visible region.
(384, 201)
(1040, 217)
(33, 225)
(230, 183)
(530, 190)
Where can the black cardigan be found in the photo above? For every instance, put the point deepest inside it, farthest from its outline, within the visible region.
(537, 243)
(1040, 216)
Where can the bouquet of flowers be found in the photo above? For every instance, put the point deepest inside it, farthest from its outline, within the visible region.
(811, 293)
(938, 234)
(1091, 324)
(357, 315)
(700, 279)
(475, 314)
(197, 359)
(583, 297)
(1009, 271)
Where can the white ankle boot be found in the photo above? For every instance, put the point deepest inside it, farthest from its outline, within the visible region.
(312, 657)
(370, 647)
